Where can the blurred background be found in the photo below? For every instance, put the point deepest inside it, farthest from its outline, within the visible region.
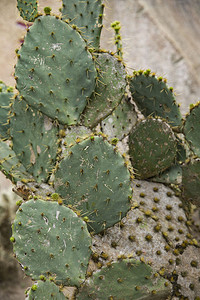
(160, 35)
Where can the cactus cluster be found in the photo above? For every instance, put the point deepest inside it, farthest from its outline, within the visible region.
(106, 192)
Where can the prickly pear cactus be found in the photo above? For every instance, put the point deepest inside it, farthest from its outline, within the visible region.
(120, 122)
(34, 138)
(191, 128)
(154, 98)
(152, 147)
(109, 91)
(28, 9)
(125, 279)
(191, 183)
(64, 87)
(44, 289)
(11, 166)
(73, 142)
(6, 94)
(84, 180)
(86, 15)
(50, 240)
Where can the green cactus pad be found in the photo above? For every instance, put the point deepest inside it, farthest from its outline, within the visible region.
(110, 88)
(87, 16)
(51, 240)
(152, 147)
(55, 72)
(153, 97)
(191, 181)
(159, 202)
(126, 279)
(120, 122)
(45, 290)
(74, 134)
(172, 175)
(34, 140)
(94, 179)
(182, 149)
(6, 94)
(192, 127)
(11, 166)
(188, 271)
(28, 9)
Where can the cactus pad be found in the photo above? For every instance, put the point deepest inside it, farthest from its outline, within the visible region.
(188, 271)
(191, 181)
(51, 240)
(6, 93)
(151, 231)
(75, 133)
(94, 179)
(28, 9)
(120, 122)
(165, 208)
(87, 16)
(172, 175)
(110, 88)
(55, 72)
(154, 98)
(126, 279)
(152, 147)
(34, 140)
(45, 290)
(11, 166)
(192, 128)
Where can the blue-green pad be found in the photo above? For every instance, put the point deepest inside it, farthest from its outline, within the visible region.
(6, 94)
(28, 9)
(191, 181)
(109, 90)
(152, 147)
(154, 98)
(123, 280)
(35, 140)
(120, 122)
(55, 72)
(87, 16)
(45, 290)
(192, 127)
(51, 240)
(94, 179)
(172, 175)
(74, 134)
(11, 166)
